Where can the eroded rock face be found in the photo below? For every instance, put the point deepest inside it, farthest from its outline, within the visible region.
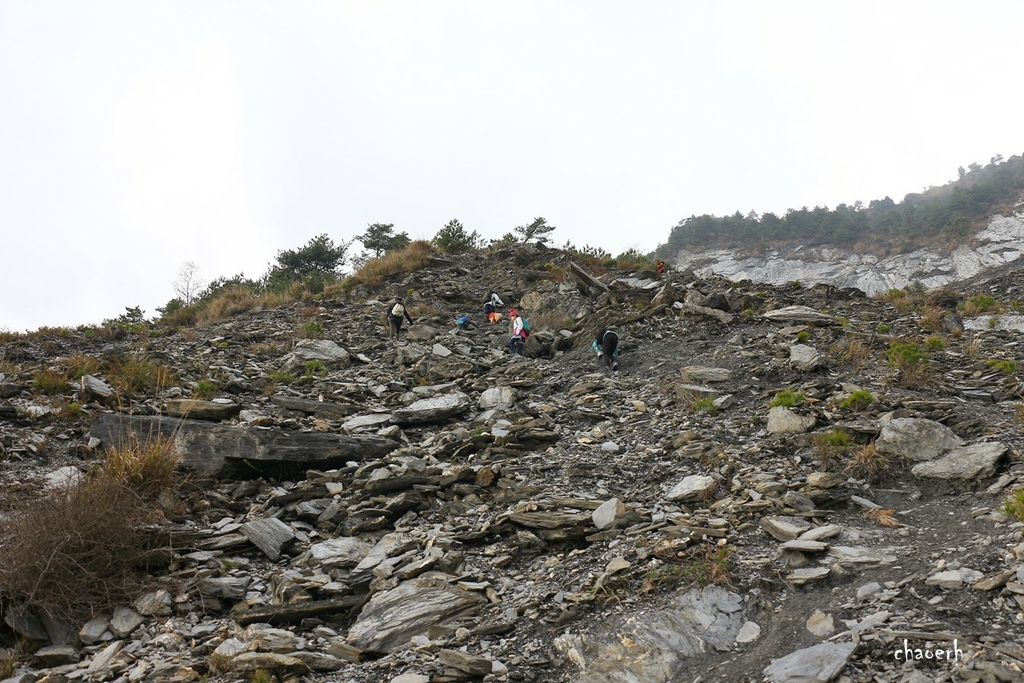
(1001, 243)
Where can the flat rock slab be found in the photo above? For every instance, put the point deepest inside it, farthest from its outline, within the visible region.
(817, 664)
(202, 410)
(916, 439)
(391, 618)
(784, 528)
(977, 461)
(324, 409)
(700, 373)
(366, 421)
(436, 409)
(800, 314)
(217, 450)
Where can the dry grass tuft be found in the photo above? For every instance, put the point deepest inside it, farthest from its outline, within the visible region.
(76, 552)
(375, 271)
(868, 464)
(138, 375)
(883, 516)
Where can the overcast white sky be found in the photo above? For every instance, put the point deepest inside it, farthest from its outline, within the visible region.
(137, 135)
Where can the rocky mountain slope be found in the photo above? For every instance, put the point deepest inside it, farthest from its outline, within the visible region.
(438, 510)
(1000, 243)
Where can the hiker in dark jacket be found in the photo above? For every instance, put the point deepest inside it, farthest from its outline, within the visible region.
(493, 303)
(395, 311)
(606, 344)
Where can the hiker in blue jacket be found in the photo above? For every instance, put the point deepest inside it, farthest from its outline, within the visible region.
(606, 344)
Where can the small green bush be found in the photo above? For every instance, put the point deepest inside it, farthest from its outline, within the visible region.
(313, 368)
(704, 405)
(311, 329)
(787, 399)
(910, 360)
(1013, 506)
(1007, 367)
(281, 377)
(858, 400)
(981, 303)
(935, 343)
(205, 389)
(49, 381)
(803, 335)
(883, 329)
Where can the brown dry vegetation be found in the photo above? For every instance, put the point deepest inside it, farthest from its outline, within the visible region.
(78, 551)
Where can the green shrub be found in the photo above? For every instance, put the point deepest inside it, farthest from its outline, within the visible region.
(981, 303)
(205, 389)
(1007, 367)
(704, 405)
(1013, 506)
(911, 361)
(49, 381)
(311, 329)
(313, 368)
(281, 377)
(858, 400)
(832, 447)
(138, 375)
(787, 399)
(935, 344)
(803, 335)
(883, 329)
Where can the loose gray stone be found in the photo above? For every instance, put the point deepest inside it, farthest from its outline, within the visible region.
(699, 373)
(323, 350)
(805, 358)
(817, 664)
(270, 535)
(916, 439)
(340, 552)
(605, 515)
(785, 528)
(392, 617)
(800, 314)
(693, 488)
(124, 621)
(782, 420)
(655, 646)
(436, 409)
(497, 397)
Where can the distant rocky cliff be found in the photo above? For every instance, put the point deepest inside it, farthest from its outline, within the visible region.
(1000, 243)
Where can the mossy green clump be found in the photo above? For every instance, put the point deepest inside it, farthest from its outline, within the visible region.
(788, 399)
(858, 400)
